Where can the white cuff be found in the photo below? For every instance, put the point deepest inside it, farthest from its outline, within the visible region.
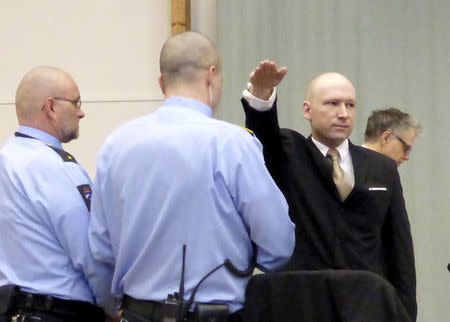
(257, 103)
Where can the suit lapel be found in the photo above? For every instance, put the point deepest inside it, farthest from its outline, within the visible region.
(359, 162)
(323, 166)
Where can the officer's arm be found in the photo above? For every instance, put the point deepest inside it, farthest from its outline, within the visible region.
(68, 215)
(98, 233)
(261, 205)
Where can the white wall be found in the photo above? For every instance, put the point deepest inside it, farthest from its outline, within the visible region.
(111, 48)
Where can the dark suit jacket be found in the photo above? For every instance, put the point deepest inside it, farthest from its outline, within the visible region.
(368, 231)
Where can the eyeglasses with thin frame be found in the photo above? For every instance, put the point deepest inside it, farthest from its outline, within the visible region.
(76, 102)
(406, 147)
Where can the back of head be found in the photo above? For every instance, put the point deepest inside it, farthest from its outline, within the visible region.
(38, 84)
(184, 55)
(390, 119)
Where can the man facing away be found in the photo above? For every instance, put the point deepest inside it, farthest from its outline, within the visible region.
(392, 133)
(47, 271)
(345, 200)
(177, 193)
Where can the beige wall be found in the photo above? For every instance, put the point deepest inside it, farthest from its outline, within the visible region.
(203, 17)
(111, 48)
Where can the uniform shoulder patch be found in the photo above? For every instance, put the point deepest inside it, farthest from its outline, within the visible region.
(66, 156)
(86, 193)
(248, 130)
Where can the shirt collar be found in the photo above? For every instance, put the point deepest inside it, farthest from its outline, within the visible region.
(40, 135)
(342, 148)
(189, 103)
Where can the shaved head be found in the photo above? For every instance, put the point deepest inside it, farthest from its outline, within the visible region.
(47, 99)
(323, 81)
(38, 84)
(185, 54)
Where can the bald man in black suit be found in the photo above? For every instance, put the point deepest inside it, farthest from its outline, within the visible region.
(366, 228)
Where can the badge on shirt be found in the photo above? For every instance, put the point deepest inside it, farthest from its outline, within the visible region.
(86, 193)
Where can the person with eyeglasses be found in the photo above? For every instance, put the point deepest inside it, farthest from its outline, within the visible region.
(47, 270)
(392, 133)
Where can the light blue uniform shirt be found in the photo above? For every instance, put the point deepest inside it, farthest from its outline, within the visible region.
(177, 176)
(43, 222)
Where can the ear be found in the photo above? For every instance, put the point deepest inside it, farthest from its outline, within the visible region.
(49, 107)
(161, 84)
(384, 138)
(210, 74)
(307, 110)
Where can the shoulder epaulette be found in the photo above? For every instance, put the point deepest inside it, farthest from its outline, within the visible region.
(66, 156)
(248, 130)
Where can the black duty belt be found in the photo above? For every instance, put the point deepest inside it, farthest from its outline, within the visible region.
(151, 310)
(45, 303)
(154, 311)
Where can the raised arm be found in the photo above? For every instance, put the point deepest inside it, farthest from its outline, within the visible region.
(259, 104)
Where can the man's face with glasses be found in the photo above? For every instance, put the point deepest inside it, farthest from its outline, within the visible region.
(399, 146)
(69, 112)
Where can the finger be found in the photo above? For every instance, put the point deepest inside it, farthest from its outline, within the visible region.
(283, 70)
(281, 73)
(268, 65)
(279, 77)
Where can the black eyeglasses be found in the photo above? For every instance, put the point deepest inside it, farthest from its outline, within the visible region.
(406, 147)
(76, 102)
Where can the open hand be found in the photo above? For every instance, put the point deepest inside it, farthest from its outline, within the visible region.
(264, 78)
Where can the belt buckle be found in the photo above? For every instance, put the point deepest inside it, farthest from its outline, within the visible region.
(48, 303)
(18, 318)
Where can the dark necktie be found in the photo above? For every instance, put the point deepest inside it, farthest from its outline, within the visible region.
(342, 183)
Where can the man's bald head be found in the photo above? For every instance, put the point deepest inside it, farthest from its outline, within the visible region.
(48, 99)
(38, 84)
(184, 55)
(324, 81)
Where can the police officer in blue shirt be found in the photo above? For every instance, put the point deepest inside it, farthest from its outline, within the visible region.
(183, 203)
(47, 271)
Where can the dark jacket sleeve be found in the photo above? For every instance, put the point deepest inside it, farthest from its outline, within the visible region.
(267, 130)
(398, 248)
